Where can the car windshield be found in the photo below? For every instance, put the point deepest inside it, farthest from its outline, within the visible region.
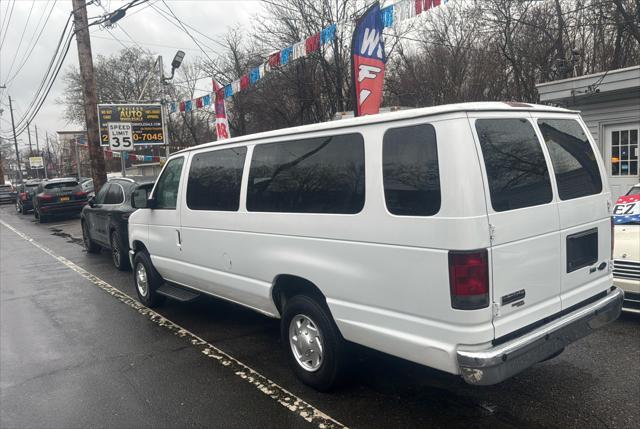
(58, 185)
(634, 190)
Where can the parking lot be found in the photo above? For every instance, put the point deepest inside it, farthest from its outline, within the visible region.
(78, 351)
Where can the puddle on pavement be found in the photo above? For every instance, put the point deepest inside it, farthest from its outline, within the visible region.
(70, 239)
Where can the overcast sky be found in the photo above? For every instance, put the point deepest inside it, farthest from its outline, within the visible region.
(142, 23)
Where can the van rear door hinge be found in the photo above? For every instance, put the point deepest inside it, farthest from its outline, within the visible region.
(492, 232)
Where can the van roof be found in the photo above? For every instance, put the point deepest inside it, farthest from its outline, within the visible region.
(386, 117)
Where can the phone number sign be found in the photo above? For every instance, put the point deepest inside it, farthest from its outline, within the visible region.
(146, 122)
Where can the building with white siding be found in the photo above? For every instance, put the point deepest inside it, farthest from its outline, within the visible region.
(610, 105)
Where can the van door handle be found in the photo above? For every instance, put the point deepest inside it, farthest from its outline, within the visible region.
(179, 238)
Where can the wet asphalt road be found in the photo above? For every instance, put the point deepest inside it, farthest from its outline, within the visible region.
(73, 355)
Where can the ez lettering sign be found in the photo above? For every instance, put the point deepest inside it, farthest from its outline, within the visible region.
(120, 136)
(626, 209)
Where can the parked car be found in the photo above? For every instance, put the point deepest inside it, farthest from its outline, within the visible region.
(472, 238)
(105, 218)
(87, 186)
(24, 196)
(58, 196)
(626, 253)
(6, 194)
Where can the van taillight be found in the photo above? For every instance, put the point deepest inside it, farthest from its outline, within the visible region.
(469, 279)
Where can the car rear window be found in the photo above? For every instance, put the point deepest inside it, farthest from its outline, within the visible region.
(410, 171)
(316, 175)
(214, 180)
(516, 169)
(58, 185)
(573, 159)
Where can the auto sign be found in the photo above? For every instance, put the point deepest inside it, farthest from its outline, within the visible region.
(147, 122)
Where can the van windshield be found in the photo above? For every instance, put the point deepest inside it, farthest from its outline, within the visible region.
(573, 159)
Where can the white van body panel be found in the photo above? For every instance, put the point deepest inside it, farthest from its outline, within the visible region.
(385, 277)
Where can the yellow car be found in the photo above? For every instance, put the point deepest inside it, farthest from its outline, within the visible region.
(626, 251)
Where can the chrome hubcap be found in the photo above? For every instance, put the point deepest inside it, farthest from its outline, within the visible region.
(141, 280)
(306, 342)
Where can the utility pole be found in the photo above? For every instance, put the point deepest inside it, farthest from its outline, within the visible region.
(46, 134)
(85, 60)
(29, 134)
(15, 141)
(38, 151)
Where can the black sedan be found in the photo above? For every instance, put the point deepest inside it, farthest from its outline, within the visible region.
(105, 218)
(24, 196)
(58, 196)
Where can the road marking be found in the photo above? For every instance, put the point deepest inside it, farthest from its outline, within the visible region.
(263, 384)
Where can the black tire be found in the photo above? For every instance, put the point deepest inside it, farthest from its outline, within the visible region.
(119, 256)
(89, 245)
(42, 218)
(19, 208)
(151, 298)
(331, 367)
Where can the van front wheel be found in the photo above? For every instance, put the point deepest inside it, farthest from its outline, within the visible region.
(146, 280)
(313, 343)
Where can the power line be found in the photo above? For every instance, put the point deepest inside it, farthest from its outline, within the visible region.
(24, 30)
(29, 51)
(8, 21)
(185, 29)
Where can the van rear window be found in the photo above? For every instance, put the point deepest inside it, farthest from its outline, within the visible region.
(516, 169)
(214, 180)
(60, 185)
(317, 175)
(410, 171)
(573, 159)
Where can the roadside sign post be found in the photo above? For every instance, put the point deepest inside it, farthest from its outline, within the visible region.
(120, 140)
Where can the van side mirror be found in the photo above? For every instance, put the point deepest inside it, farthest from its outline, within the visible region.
(91, 201)
(140, 199)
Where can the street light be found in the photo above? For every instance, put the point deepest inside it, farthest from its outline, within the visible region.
(177, 61)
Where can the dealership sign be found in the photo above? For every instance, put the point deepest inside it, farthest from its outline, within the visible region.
(147, 122)
(36, 162)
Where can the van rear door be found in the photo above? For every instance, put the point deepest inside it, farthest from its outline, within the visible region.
(526, 251)
(584, 203)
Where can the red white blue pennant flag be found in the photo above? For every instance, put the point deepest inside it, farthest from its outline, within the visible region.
(368, 62)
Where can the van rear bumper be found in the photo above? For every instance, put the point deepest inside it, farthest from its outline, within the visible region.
(491, 366)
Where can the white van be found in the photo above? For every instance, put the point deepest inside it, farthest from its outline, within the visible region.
(472, 238)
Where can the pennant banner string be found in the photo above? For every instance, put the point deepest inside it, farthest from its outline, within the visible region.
(391, 15)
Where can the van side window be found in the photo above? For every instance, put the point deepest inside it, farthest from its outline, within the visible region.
(410, 171)
(574, 162)
(317, 175)
(214, 180)
(166, 192)
(516, 169)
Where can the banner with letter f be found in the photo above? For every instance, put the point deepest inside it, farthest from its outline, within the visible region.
(368, 62)
(222, 124)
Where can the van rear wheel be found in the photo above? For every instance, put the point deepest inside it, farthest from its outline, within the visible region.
(313, 343)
